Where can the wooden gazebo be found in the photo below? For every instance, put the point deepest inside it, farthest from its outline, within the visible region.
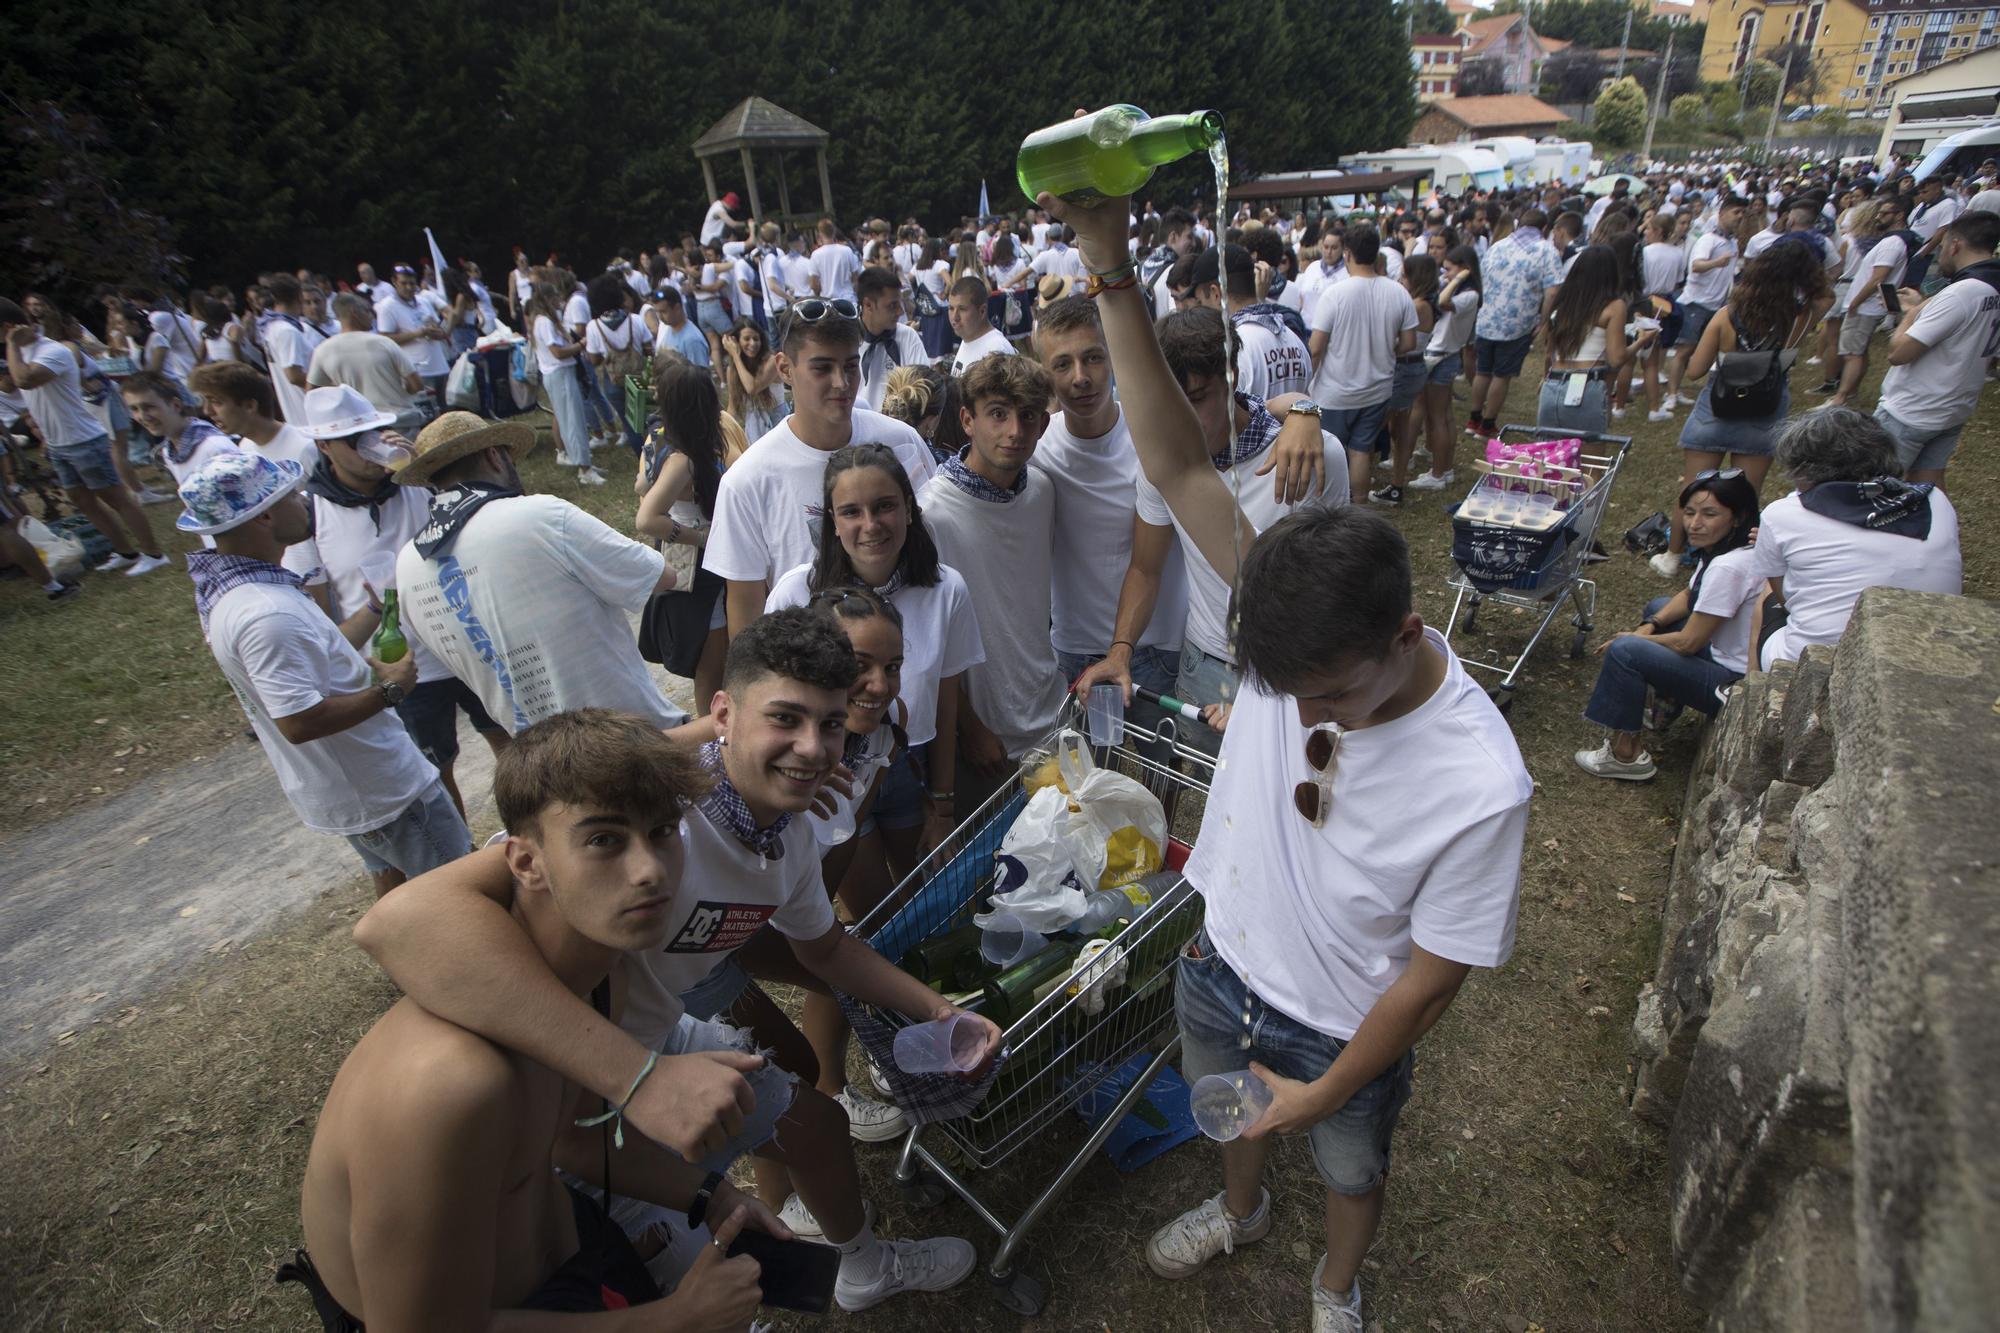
(753, 124)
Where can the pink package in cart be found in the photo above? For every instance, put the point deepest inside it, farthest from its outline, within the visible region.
(1535, 455)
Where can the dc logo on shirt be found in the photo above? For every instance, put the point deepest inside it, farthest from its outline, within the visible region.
(718, 927)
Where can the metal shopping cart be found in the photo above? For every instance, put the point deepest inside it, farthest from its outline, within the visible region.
(1059, 1051)
(1528, 561)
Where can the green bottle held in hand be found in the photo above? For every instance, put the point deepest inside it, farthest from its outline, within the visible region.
(1110, 152)
(390, 645)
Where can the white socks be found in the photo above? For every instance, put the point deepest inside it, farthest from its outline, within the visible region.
(861, 1257)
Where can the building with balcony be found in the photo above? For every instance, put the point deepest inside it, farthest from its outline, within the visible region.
(1434, 57)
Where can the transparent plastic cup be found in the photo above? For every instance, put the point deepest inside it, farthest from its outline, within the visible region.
(1005, 941)
(945, 1046)
(1225, 1105)
(1104, 714)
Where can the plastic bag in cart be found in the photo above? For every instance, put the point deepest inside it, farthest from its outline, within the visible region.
(1130, 819)
(1096, 829)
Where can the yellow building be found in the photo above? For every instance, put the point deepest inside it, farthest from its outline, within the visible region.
(1857, 46)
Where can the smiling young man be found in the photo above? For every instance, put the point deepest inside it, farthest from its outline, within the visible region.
(994, 518)
(238, 397)
(429, 1200)
(751, 861)
(767, 509)
(1360, 851)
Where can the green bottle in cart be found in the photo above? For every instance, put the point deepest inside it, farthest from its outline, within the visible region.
(1008, 997)
(1110, 152)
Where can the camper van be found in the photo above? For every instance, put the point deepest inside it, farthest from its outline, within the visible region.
(1517, 160)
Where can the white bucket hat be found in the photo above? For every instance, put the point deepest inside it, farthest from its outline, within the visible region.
(338, 411)
(234, 487)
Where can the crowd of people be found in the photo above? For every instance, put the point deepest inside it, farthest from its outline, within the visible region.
(898, 496)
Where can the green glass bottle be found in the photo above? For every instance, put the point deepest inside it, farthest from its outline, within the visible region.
(390, 645)
(1110, 152)
(1014, 992)
(944, 958)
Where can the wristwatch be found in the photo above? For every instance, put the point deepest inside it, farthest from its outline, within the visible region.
(698, 1210)
(392, 693)
(1304, 407)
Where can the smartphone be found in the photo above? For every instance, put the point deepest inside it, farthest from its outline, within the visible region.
(797, 1274)
(1892, 301)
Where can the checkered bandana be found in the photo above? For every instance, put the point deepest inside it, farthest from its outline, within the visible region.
(726, 809)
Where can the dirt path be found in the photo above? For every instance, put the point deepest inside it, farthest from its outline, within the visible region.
(109, 903)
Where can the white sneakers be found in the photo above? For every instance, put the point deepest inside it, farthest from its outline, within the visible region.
(589, 476)
(1601, 763)
(1331, 1314)
(1665, 412)
(1433, 481)
(1181, 1247)
(805, 1226)
(870, 1121)
(146, 564)
(146, 495)
(1666, 564)
(907, 1265)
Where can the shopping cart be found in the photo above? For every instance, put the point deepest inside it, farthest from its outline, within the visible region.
(1534, 569)
(1058, 1052)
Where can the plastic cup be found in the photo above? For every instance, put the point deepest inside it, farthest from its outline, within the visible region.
(1225, 1105)
(1104, 714)
(1005, 941)
(945, 1046)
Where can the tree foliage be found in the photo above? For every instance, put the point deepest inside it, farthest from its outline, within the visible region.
(1761, 85)
(1481, 78)
(1573, 75)
(1431, 16)
(272, 134)
(1619, 117)
(1601, 24)
(1688, 109)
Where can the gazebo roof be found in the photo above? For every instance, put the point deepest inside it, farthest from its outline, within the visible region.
(756, 123)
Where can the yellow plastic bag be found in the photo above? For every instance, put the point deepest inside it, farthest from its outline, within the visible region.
(1129, 818)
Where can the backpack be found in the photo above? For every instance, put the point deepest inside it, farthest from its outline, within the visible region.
(1750, 383)
(622, 362)
(926, 301)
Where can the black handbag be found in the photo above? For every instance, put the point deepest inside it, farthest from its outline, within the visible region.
(673, 628)
(1649, 535)
(1750, 384)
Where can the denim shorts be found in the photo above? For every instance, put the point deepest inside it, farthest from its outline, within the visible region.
(1225, 1025)
(1355, 427)
(899, 802)
(430, 714)
(1694, 319)
(711, 317)
(1501, 358)
(1204, 679)
(1153, 669)
(1589, 416)
(717, 992)
(1920, 450)
(1445, 371)
(1707, 433)
(429, 833)
(1408, 384)
(87, 465)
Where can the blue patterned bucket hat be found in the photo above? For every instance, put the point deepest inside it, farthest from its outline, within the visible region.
(232, 488)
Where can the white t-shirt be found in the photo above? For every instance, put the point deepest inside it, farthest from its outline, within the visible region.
(798, 276)
(576, 312)
(1003, 551)
(1940, 389)
(176, 333)
(1314, 279)
(1059, 260)
(532, 608)
(425, 355)
(767, 510)
(1710, 288)
(1662, 267)
(1097, 492)
(1270, 360)
(990, 343)
(1208, 593)
(600, 341)
(1926, 221)
(57, 404)
(290, 443)
(714, 222)
(834, 265)
(1454, 325)
(546, 337)
(290, 342)
(282, 656)
(777, 282)
(1392, 263)
(351, 551)
(940, 638)
(1362, 319)
(711, 275)
(1892, 253)
(1008, 277)
(1827, 564)
(1422, 846)
(1758, 243)
(728, 893)
(1729, 589)
(875, 366)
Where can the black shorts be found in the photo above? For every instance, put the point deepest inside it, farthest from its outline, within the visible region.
(430, 715)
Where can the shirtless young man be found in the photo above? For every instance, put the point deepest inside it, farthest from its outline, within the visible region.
(431, 1200)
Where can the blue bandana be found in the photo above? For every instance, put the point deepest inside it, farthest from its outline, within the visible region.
(215, 574)
(955, 471)
(727, 810)
(1253, 439)
(1886, 504)
(182, 447)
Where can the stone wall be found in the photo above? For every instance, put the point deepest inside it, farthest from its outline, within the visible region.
(1821, 1043)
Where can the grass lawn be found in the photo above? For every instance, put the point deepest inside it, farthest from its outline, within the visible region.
(154, 1161)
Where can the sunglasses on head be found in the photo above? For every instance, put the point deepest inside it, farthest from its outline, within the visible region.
(1313, 798)
(816, 308)
(1719, 474)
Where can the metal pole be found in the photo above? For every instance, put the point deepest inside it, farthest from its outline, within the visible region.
(1624, 43)
(1659, 96)
(1778, 100)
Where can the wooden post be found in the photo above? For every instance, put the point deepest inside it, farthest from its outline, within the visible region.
(784, 193)
(708, 175)
(825, 186)
(750, 182)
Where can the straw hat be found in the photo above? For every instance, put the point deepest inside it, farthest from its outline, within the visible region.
(1052, 288)
(457, 435)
